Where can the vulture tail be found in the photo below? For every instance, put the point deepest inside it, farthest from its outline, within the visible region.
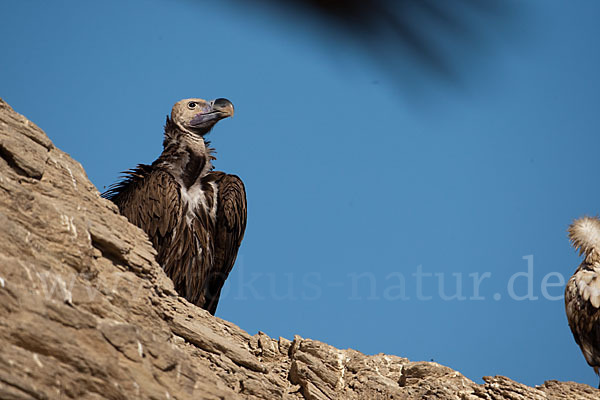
(584, 234)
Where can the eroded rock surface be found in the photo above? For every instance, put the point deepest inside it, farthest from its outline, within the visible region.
(87, 313)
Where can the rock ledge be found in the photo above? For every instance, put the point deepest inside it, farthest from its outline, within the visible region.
(87, 313)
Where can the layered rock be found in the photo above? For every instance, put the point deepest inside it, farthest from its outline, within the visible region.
(87, 313)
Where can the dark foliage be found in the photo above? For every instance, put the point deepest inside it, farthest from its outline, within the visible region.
(407, 37)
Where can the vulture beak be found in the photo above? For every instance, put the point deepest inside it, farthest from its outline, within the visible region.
(224, 106)
(214, 111)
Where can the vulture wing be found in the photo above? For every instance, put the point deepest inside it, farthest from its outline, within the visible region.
(581, 303)
(150, 199)
(229, 231)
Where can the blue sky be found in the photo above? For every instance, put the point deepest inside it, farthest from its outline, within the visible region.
(357, 182)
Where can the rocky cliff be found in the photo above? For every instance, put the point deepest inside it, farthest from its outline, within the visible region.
(87, 313)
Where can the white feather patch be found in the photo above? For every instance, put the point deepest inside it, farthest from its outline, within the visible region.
(588, 286)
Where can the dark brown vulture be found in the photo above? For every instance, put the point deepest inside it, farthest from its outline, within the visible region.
(194, 216)
(582, 293)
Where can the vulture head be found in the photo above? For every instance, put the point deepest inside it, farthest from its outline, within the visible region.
(199, 116)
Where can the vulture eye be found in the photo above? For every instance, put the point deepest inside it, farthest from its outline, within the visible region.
(192, 104)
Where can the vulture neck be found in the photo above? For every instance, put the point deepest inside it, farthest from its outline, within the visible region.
(185, 155)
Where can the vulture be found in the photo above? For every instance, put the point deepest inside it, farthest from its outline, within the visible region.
(194, 216)
(582, 293)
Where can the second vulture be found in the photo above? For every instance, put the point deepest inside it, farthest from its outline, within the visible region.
(582, 293)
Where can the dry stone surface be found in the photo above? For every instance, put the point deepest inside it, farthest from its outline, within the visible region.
(87, 313)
